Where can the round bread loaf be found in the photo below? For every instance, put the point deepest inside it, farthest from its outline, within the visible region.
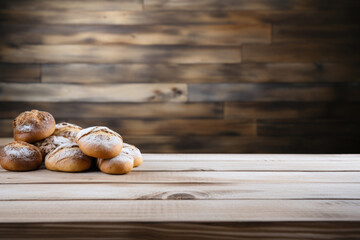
(133, 152)
(67, 130)
(99, 142)
(49, 144)
(20, 156)
(34, 125)
(67, 158)
(120, 164)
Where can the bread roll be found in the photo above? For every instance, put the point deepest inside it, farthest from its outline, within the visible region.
(20, 156)
(120, 164)
(34, 125)
(67, 158)
(67, 130)
(133, 152)
(49, 144)
(99, 142)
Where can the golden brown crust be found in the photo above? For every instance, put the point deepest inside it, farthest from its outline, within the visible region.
(121, 164)
(133, 152)
(68, 158)
(20, 156)
(32, 126)
(99, 142)
(67, 130)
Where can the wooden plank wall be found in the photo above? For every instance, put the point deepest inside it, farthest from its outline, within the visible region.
(254, 76)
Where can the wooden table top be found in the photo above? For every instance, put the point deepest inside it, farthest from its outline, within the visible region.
(208, 195)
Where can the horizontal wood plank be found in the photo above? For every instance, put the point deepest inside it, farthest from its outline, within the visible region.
(339, 34)
(176, 17)
(177, 231)
(42, 192)
(86, 110)
(136, 177)
(118, 54)
(77, 5)
(247, 5)
(177, 210)
(291, 110)
(199, 73)
(242, 144)
(307, 128)
(214, 35)
(271, 92)
(171, 127)
(19, 73)
(93, 93)
(299, 52)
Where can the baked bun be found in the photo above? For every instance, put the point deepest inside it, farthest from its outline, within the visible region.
(99, 142)
(67, 158)
(67, 130)
(49, 144)
(133, 152)
(32, 126)
(20, 156)
(120, 164)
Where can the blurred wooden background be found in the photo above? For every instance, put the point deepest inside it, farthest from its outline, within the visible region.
(186, 75)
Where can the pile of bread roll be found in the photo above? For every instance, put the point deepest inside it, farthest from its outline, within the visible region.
(66, 147)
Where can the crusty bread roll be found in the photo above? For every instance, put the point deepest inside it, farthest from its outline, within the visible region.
(99, 142)
(67, 130)
(20, 156)
(133, 152)
(67, 158)
(32, 126)
(120, 164)
(49, 144)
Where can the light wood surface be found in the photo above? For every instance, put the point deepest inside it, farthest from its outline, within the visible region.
(212, 192)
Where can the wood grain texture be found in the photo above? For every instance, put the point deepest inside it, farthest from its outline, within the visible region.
(118, 54)
(247, 5)
(93, 93)
(317, 33)
(177, 231)
(160, 211)
(213, 35)
(77, 5)
(86, 110)
(136, 177)
(21, 192)
(151, 127)
(248, 92)
(19, 73)
(199, 73)
(291, 110)
(299, 52)
(307, 128)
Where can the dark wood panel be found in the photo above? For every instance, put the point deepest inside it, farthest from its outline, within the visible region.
(316, 33)
(175, 17)
(178, 127)
(268, 92)
(116, 110)
(215, 35)
(248, 4)
(179, 231)
(308, 128)
(292, 110)
(118, 54)
(77, 5)
(300, 52)
(200, 73)
(93, 93)
(244, 144)
(19, 72)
